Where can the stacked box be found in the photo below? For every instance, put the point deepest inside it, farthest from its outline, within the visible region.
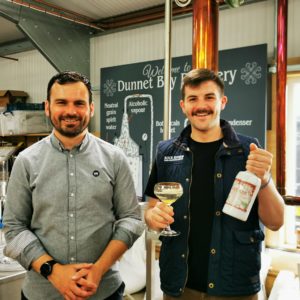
(12, 96)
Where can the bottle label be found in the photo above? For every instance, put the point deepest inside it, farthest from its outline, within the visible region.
(241, 194)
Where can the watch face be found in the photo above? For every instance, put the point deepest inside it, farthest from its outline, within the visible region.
(46, 268)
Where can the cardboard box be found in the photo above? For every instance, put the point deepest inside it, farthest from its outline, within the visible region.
(11, 96)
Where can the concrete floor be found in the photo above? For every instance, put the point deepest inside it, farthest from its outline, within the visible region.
(137, 296)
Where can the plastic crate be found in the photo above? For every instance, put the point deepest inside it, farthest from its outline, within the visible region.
(25, 106)
(20, 122)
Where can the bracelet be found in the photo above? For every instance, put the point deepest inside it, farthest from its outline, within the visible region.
(264, 185)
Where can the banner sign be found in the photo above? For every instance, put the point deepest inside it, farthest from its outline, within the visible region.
(132, 102)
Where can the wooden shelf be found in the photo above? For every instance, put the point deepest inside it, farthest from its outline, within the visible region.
(291, 200)
(26, 139)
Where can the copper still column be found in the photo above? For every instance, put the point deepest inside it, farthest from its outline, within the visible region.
(281, 95)
(205, 34)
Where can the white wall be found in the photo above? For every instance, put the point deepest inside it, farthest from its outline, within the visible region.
(283, 260)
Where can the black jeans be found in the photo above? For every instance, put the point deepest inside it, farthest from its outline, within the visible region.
(117, 295)
(23, 296)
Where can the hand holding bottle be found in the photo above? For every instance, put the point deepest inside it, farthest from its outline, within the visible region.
(248, 183)
(259, 162)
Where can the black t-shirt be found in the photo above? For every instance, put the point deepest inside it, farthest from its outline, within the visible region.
(201, 212)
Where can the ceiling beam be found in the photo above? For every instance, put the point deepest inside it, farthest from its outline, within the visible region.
(65, 44)
(7, 57)
(16, 46)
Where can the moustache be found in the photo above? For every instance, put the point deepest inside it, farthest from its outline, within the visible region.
(70, 117)
(202, 111)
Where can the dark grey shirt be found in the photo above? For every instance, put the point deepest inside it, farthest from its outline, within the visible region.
(69, 204)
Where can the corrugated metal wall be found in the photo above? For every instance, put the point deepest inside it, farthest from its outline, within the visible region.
(293, 28)
(30, 73)
(247, 25)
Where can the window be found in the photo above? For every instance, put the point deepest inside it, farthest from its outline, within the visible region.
(292, 213)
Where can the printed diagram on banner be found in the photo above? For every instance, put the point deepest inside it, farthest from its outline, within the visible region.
(130, 147)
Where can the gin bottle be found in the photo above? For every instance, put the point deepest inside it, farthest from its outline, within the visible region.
(242, 195)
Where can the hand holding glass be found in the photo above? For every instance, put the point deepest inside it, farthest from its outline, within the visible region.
(168, 193)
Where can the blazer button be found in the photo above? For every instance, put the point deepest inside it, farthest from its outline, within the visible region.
(218, 213)
(211, 285)
(219, 175)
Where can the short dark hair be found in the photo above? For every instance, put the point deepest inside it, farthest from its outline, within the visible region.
(196, 76)
(69, 77)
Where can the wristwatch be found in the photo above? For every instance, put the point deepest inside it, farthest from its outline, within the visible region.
(46, 268)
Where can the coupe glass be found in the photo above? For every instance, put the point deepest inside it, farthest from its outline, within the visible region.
(168, 192)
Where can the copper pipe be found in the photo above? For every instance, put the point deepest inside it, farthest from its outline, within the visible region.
(65, 10)
(129, 19)
(205, 34)
(281, 96)
(54, 13)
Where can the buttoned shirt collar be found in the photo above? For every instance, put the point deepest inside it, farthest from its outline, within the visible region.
(59, 145)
